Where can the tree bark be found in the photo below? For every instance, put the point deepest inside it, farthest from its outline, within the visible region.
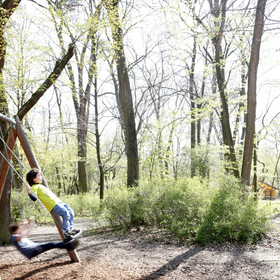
(193, 117)
(220, 72)
(98, 146)
(125, 92)
(6, 10)
(251, 95)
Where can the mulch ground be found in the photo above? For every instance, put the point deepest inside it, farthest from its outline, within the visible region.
(108, 256)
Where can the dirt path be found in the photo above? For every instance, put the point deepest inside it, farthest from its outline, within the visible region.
(110, 257)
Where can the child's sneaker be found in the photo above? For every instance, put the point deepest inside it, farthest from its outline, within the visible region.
(75, 233)
(67, 237)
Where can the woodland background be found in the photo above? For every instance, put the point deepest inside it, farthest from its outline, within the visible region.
(118, 93)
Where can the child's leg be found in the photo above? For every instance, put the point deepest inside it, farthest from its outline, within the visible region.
(60, 210)
(71, 213)
(43, 247)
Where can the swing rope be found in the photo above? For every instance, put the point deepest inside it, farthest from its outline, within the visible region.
(10, 165)
(2, 138)
(7, 160)
(7, 156)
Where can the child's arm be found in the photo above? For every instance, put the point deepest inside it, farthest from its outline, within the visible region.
(30, 223)
(27, 227)
(30, 193)
(24, 231)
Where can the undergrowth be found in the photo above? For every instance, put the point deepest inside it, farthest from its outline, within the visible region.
(188, 209)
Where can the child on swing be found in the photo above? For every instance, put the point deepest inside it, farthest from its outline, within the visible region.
(52, 203)
(31, 249)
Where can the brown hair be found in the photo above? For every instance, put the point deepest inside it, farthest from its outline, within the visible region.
(31, 175)
(13, 227)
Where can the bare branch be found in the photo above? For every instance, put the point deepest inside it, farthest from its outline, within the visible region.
(60, 65)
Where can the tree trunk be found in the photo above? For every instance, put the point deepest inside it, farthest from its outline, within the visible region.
(214, 90)
(5, 212)
(168, 149)
(82, 155)
(242, 93)
(125, 92)
(193, 113)
(251, 95)
(98, 148)
(220, 72)
(255, 180)
(7, 9)
(80, 96)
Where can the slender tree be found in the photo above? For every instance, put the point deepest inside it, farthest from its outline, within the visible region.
(251, 94)
(112, 7)
(81, 90)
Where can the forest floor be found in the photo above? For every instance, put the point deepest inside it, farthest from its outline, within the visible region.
(143, 256)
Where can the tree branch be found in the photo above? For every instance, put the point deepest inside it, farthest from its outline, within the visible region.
(59, 66)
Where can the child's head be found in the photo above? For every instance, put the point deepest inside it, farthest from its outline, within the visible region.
(13, 227)
(34, 176)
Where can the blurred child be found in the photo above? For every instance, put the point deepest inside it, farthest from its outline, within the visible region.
(29, 248)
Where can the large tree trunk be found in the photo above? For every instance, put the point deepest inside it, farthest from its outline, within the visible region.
(251, 95)
(83, 114)
(217, 11)
(5, 212)
(125, 92)
(7, 9)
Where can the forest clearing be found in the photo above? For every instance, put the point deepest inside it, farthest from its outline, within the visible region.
(158, 119)
(105, 256)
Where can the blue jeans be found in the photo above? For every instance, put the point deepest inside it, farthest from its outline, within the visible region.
(67, 215)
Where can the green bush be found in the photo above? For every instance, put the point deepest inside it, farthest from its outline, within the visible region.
(175, 205)
(86, 204)
(183, 204)
(188, 208)
(233, 215)
(116, 206)
(132, 207)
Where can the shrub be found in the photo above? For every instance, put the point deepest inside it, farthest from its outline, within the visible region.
(175, 205)
(188, 208)
(132, 207)
(183, 204)
(233, 215)
(83, 204)
(116, 206)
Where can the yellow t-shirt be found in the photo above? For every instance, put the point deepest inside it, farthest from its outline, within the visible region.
(47, 197)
